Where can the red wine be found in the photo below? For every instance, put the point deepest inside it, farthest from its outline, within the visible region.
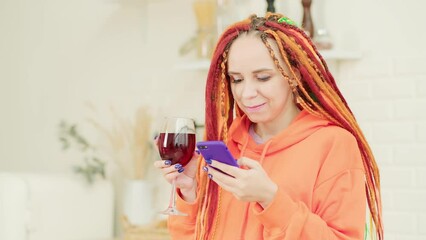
(177, 147)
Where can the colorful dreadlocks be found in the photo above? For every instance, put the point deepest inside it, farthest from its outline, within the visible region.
(315, 91)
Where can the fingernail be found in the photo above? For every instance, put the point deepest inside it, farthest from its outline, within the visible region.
(181, 170)
(168, 162)
(208, 161)
(178, 166)
(198, 152)
(205, 169)
(210, 176)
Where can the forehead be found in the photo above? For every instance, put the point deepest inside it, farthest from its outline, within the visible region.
(249, 52)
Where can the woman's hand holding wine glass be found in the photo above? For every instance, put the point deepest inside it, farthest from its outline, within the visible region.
(176, 145)
(184, 180)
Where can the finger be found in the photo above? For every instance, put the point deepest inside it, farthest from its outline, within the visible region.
(170, 169)
(231, 170)
(249, 163)
(162, 163)
(224, 179)
(171, 176)
(223, 182)
(222, 185)
(159, 164)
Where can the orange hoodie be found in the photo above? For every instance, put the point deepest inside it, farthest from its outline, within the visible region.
(321, 188)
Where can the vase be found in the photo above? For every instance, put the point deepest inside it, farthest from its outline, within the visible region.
(137, 202)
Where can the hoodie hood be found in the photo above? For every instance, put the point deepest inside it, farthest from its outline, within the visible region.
(303, 125)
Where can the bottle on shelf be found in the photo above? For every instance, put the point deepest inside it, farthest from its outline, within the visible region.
(307, 22)
(271, 6)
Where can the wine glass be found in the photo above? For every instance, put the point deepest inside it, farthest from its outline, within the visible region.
(177, 144)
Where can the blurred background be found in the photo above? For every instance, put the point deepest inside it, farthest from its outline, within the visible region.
(84, 83)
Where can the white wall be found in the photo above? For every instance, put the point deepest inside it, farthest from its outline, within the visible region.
(55, 55)
(387, 92)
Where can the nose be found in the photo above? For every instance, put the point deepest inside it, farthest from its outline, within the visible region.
(249, 89)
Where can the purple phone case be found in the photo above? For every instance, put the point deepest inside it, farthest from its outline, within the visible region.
(216, 150)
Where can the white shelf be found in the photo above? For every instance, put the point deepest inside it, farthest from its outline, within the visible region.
(340, 55)
(203, 64)
(328, 55)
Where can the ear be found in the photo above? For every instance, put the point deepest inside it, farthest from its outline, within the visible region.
(297, 73)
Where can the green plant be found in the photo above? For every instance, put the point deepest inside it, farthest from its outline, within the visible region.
(70, 138)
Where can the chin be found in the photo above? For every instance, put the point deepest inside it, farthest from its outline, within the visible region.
(254, 118)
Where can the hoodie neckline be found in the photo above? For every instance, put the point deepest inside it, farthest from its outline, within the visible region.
(302, 126)
(257, 139)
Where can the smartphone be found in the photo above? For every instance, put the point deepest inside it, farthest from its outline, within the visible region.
(216, 150)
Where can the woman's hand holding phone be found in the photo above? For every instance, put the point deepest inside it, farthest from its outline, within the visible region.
(249, 184)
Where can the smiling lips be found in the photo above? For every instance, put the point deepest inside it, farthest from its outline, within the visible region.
(255, 108)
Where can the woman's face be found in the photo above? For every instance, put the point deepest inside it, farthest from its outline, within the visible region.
(258, 87)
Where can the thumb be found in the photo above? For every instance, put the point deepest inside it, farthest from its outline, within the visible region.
(249, 163)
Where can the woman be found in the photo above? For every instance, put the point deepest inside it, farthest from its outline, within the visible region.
(306, 170)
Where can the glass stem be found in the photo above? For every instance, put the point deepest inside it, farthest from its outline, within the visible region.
(172, 203)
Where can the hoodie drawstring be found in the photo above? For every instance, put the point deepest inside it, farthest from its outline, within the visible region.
(264, 151)
(244, 223)
(262, 157)
(243, 149)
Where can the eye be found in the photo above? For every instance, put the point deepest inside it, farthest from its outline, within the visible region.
(264, 78)
(235, 79)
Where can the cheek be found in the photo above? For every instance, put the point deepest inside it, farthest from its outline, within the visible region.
(286, 96)
(234, 91)
(285, 89)
(236, 94)
(281, 91)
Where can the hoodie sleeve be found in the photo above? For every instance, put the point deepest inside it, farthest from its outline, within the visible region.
(183, 227)
(338, 204)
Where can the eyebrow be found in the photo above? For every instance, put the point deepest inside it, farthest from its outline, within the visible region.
(256, 71)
